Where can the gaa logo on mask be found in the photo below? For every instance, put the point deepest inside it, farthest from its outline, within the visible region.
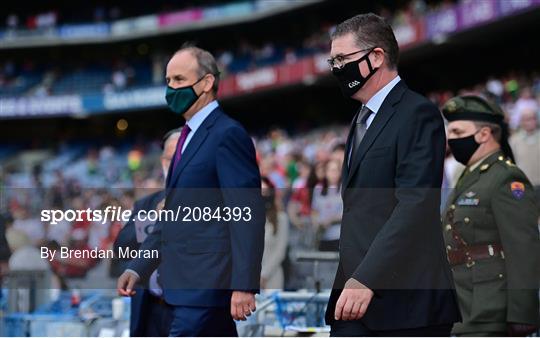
(353, 84)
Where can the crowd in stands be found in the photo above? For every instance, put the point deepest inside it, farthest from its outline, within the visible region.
(108, 12)
(26, 77)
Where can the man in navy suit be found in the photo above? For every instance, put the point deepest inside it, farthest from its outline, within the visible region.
(210, 258)
(150, 316)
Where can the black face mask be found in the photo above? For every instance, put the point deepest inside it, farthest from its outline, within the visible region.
(463, 148)
(349, 77)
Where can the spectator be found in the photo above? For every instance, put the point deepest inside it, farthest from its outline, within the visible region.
(73, 267)
(327, 207)
(25, 256)
(525, 102)
(12, 22)
(275, 239)
(526, 146)
(338, 154)
(29, 224)
(300, 204)
(119, 79)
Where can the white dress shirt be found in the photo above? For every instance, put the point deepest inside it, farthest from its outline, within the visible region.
(376, 101)
(196, 120)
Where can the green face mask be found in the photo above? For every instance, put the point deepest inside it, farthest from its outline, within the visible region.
(181, 99)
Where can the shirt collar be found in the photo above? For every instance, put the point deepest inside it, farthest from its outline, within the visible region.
(376, 101)
(196, 120)
(480, 161)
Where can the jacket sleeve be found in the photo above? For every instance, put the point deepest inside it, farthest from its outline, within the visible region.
(127, 236)
(415, 217)
(516, 215)
(240, 184)
(144, 267)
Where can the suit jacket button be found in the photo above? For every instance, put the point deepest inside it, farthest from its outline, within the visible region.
(466, 220)
(448, 227)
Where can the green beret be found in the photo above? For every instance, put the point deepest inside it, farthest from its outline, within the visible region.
(476, 108)
(472, 108)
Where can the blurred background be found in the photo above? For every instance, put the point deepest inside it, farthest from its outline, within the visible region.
(82, 114)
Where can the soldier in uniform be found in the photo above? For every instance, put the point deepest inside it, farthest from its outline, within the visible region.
(490, 225)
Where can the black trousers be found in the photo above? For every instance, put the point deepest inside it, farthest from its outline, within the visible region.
(355, 328)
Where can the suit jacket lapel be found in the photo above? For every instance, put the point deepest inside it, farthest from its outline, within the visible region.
(384, 114)
(191, 149)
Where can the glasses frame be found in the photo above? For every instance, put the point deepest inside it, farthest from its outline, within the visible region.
(332, 61)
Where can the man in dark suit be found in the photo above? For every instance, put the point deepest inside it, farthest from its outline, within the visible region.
(209, 266)
(150, 316)
(393, 277)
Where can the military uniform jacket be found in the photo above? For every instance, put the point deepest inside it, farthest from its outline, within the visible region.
(494, 205)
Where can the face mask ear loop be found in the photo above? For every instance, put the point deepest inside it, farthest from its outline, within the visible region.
(199, 80)
(370, 67)
(193, 86)
(368, 61)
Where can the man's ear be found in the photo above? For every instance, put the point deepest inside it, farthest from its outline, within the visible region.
(209, 82)
(378, 57)
(485, 133)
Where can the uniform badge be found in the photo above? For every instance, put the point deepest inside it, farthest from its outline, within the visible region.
(451, 106)
(471, 202)
(470, 194)
(518, 189)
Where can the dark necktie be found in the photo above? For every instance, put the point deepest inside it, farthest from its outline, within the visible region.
(183, 136)
(360, 129)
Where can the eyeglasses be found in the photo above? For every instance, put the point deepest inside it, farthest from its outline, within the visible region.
(338, 61)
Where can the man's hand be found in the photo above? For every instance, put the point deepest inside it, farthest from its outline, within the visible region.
(242, 305)
(126, 283)
(353, 301)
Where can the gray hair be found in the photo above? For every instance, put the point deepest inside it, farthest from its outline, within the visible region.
(169, 135)
(206, 63)
(370, 31)
(496, 129)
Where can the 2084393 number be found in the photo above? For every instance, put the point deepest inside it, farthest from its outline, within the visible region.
(207, 214)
